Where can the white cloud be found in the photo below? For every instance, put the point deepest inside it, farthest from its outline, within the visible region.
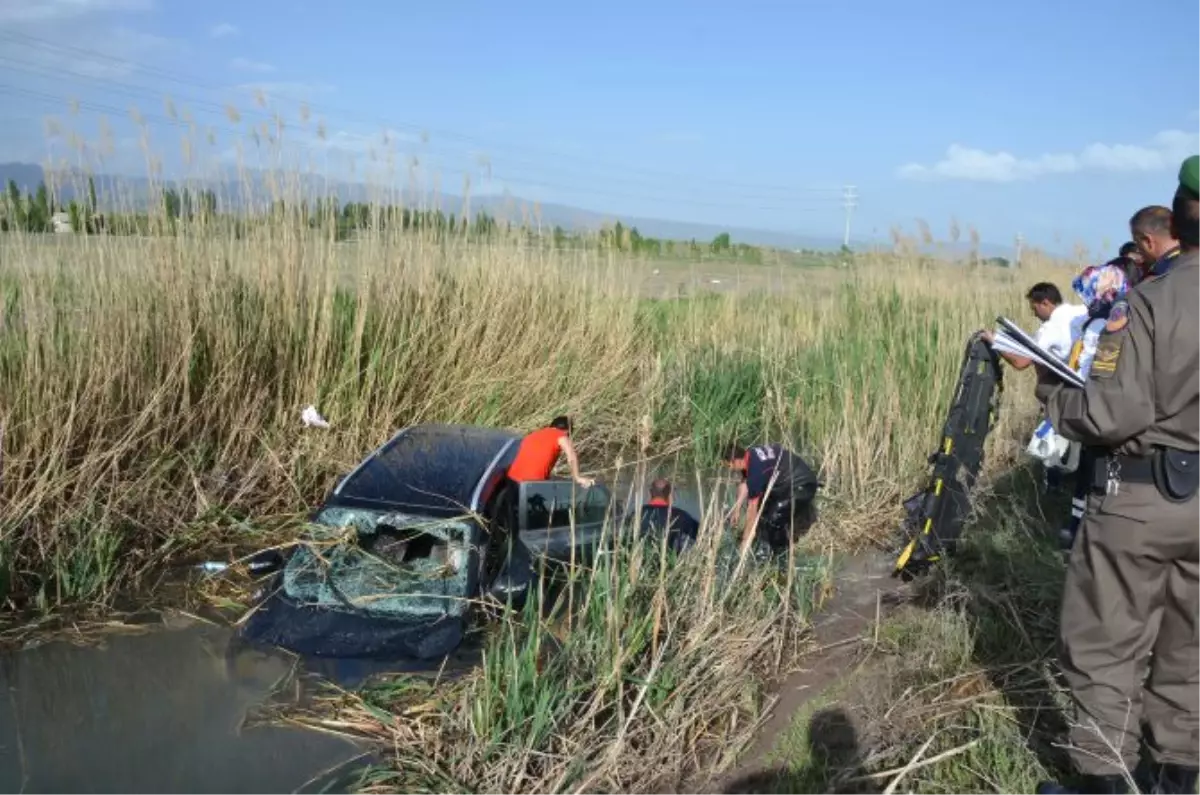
(59, 10)
(247, 65)
(1161, 153)
(223, 30)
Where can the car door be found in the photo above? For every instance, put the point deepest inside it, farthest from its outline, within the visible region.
(558, 515)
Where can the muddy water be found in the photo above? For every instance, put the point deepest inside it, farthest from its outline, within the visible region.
(163, 711)
(159, 712)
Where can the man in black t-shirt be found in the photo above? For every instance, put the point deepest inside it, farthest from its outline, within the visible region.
(777, 489)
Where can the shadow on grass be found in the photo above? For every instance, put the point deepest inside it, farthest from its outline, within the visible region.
(1006, 580)
(832, 761)
(955, 688)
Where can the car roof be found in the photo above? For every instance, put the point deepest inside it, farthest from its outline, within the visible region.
(432, 469)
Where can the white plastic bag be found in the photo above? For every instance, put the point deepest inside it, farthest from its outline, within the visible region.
(312, 418)
(1053, 450)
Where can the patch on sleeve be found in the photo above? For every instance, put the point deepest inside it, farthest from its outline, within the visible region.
(1108, 351)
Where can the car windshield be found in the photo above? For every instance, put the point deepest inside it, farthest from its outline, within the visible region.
(427, 467)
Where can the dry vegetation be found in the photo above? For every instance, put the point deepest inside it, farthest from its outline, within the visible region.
(150, 395)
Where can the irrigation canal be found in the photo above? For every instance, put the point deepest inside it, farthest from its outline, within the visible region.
(166, 710)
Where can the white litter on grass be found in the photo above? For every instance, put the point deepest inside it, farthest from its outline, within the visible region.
(312, 418)
(716, 281)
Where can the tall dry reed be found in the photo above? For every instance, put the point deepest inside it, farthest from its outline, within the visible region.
(151, 384)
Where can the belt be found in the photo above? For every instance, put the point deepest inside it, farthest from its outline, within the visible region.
(1122, 468)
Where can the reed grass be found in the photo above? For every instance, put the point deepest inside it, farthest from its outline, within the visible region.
(150, 395)
(629, 675)
(152, 386)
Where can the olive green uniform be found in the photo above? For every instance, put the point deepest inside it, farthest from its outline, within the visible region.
(1133, 580)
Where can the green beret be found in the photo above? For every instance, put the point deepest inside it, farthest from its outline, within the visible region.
(1189, 174)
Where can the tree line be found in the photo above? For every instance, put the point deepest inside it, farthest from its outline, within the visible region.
(34, 212)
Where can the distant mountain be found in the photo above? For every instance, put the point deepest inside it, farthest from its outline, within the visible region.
(27, 175)
(236, 190)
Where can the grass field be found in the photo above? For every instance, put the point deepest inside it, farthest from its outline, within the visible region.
(150, 395)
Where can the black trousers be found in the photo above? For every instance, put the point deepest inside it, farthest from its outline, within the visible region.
(1083, 479)
(786, 513)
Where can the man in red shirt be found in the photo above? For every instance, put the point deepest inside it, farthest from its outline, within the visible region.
(539, 452)
(535, 459)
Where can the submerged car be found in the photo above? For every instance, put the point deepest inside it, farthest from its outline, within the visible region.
(407, 543)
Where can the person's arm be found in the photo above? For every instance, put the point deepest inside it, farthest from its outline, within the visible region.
(736, 511)
(1014, 361)
(1117, 402)
(564, 444)
(751, 517)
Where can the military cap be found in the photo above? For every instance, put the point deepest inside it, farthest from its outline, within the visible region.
(1189, 175)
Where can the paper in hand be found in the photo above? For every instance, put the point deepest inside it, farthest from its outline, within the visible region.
(1012, 339)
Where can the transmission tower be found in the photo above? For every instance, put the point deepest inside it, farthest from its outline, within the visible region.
(849, 201)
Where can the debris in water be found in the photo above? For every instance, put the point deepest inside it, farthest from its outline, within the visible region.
(312, 418)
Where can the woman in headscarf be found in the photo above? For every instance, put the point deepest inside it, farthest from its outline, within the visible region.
(1102, 290)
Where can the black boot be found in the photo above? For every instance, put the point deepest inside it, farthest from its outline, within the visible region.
(1170, 780)
(1088, 785)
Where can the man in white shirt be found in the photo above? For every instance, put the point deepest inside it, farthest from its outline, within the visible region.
(1046, 303)
(1054, 335)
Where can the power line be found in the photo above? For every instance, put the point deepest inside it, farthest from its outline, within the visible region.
(112, 85)
(533, 182)
(181, 78)
(139, 92)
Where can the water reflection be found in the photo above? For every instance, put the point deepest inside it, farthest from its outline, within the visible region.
(164, 711)
(159, 712)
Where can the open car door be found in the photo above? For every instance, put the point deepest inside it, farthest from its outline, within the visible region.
(556, 516)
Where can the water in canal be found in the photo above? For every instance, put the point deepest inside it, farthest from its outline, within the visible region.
(163, 711)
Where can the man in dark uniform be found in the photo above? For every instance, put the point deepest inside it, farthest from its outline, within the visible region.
(1133, 581)
(1132, 261)
(659, 515)
(1151, 228)
(777, 489)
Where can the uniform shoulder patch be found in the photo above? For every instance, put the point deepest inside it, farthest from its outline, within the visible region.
(1108, 351)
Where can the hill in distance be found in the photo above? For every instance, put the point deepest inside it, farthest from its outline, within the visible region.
(236, 191)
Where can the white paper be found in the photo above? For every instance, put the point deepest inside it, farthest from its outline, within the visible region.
(1012, 339)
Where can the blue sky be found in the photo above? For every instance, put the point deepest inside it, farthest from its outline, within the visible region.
(1025, 117)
